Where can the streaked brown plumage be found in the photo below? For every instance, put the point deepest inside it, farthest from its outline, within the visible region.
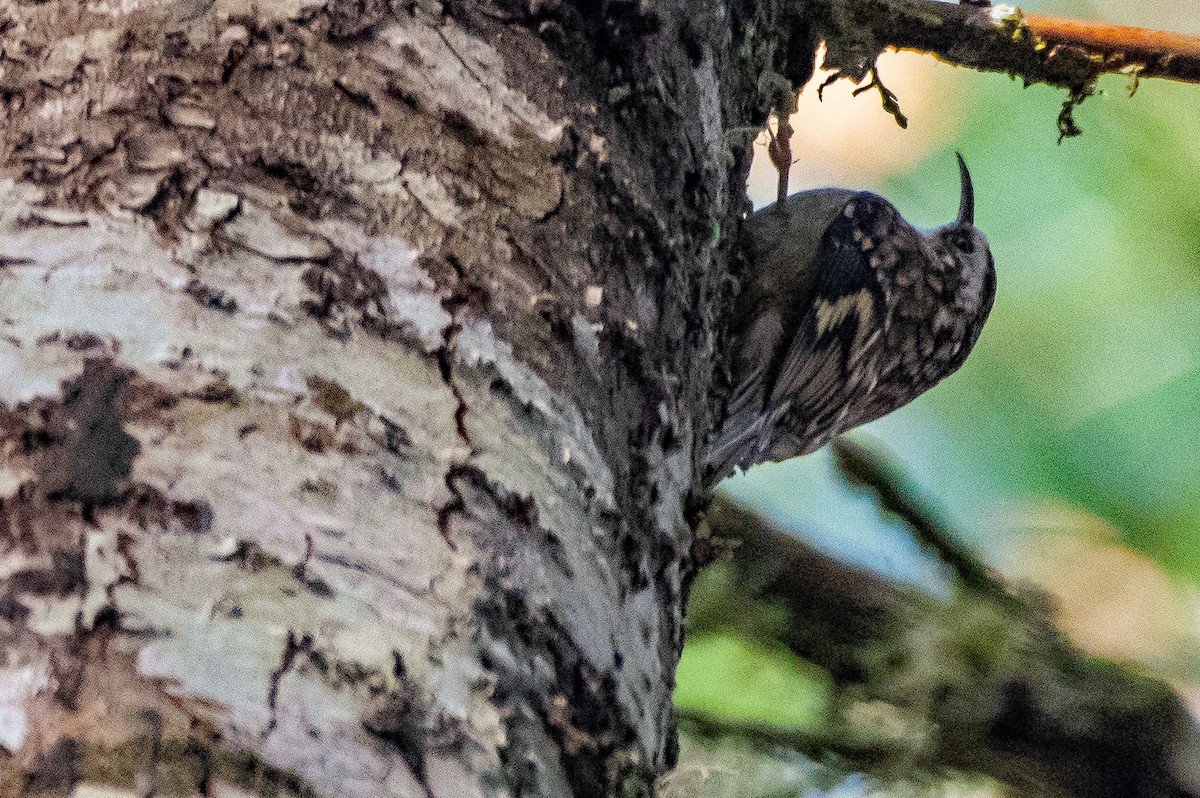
(849, 313)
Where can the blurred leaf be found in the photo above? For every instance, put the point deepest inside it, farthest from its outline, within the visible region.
(733, 678)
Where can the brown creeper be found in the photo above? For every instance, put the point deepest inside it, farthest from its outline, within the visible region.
(848, 312)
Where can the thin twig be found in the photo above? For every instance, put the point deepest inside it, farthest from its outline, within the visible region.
(864, 468)
(886, 96)
(780, 151)
(863, 753)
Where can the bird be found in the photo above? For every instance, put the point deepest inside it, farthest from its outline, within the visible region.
(846, 313)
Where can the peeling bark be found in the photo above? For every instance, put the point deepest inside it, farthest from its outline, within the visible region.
(357, 357)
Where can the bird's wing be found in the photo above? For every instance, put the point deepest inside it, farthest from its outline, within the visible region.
(796, 258)
(833, 362)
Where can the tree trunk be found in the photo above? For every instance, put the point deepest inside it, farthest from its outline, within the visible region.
(355, 363)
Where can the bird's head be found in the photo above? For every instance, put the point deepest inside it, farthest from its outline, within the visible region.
(962, 250)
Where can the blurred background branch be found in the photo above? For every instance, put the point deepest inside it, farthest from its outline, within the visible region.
(981, 684)
(867, 468)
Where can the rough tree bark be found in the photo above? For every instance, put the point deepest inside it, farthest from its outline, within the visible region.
(354, 362)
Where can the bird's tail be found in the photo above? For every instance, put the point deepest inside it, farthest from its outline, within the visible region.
(741, 437)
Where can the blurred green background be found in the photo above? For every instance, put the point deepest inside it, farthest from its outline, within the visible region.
(1066, 451)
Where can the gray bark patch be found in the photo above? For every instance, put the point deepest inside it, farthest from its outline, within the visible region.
(89, 454)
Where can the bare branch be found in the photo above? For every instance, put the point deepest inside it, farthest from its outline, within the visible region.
(1152, 53)
(1039, 49)
(1034, 46)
